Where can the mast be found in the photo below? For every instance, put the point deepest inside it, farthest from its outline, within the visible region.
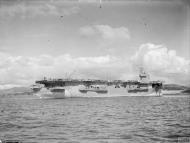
(144, 77)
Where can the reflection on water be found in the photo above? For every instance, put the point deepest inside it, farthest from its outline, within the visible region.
(113, 119)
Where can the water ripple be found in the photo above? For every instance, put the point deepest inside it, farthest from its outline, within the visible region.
(84, 120)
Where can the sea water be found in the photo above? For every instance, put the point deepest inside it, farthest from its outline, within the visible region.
(27, 118)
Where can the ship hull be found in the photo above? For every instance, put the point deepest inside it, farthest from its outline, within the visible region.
(122, 91)
(74, 91)
(112, 91)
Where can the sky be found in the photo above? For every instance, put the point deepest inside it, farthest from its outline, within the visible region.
(94, 39)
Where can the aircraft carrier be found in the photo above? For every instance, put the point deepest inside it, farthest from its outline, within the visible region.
(61, 88)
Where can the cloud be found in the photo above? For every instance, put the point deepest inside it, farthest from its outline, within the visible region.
(87, 31)
(105, 32)
(31, 9)
(20, 70)
(157, 60)
(162, 62)
(106, 38)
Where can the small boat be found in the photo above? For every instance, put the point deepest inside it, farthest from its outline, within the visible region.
(36, 87)
(93, 88)
(53, 92)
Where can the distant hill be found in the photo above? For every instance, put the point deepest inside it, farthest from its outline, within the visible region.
(174, 87)
(16, 90)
